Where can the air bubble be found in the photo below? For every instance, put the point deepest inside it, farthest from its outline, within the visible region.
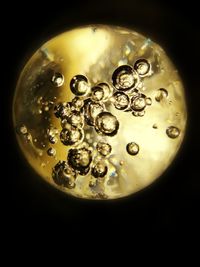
(77, 103)
(155, 126)
(23, 129)
(71, 136)
(64, 175)
(91, 110)
(51, 152)
(99, 170)
(80, 159)
(132, 148)
(172, 132)
(138, 103)
(148, 101)
(106, 90)
(62, 110)
(142, 66)
(57, 79)
(125, 78)
(107, 124)
(121, 100)
(79, 85)
(76, 119)
(97, 93)
(104, 148)
(161, 94)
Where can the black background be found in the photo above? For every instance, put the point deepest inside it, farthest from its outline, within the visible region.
(171, 204)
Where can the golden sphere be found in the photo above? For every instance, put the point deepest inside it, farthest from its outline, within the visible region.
(99, 112)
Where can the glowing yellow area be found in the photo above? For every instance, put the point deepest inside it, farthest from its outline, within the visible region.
(96, 52)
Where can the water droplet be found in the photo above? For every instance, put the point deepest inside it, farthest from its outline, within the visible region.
(71, 136)
(99, 170)
(107, 124)
(104, 148)
(138, 103)
(51, 151)
(80, 159)
(161, 94)
(142, 66)
(125, 78)
(64, 175)
(121, 100)
(57, 79)
(79, 85)
(97, 93)
(172, 132)
(132, 148)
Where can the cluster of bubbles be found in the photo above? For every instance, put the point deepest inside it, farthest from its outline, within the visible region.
(127, 80)
(88, 108)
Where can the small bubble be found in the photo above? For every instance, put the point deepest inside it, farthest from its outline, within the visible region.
(99, 170)
(80, 159)
(57, 79)
(125, 78)
(142, 67)
(79, 85)
(148, 101)
(161, 94)
(53, 139)
(77, 103)
(106, 90)
(121, 100)
(93, 182)
(62, 110)
(23, 129)
(28, 137)
(51, 151)
(75, 119)
(155, 126)
(43, 164)
(71, 136)
(107, 124)
(64, 175)
(138, 103)
(97, 93)
(172, 132)
(132, 148)
(104, 148)
(91, 110)
(121, 162)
